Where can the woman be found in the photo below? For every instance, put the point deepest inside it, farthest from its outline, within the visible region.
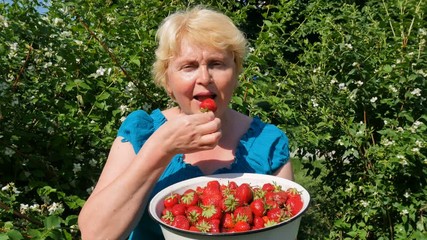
(199, 56)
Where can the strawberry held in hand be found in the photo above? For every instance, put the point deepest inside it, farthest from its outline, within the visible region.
(208, 105)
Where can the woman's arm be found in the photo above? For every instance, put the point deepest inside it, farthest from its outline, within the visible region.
(121, 194)
(286, 171)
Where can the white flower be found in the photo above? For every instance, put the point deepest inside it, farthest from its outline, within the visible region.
(313, 101)
(404, 212)
(404, 162)
(342, 86)
(35, 207)
(415, 150)
(417, 124)
(78, 42)
(346, 161)
(416, 92)
(122, 119)
(54, 208)
(123, 108)
(57, 21)
(348, 45)
(23, 208)
(387, 142)
(65, 34)
(364, 203)
(419, 143)
(4, 21)
(9, 152)
(354, 64)
(251, 49)
(374, 99)
(92, 162)
(406, 195)
(359, 83)
(77, 167)
(100, 71)
(14, 46)
(333, 81)
(11, 187)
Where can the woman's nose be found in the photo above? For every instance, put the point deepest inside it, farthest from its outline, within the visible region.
(204, 75)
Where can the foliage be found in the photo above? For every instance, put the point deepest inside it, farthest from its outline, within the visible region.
(346, 80)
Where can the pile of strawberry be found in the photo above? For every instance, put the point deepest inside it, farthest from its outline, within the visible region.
(220, 208)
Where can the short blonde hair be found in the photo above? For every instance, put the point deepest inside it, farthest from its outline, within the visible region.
(199, 25)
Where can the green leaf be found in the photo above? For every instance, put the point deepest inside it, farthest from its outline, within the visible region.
(14, 235)
(52, 222)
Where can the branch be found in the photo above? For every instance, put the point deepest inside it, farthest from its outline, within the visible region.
(22, 70)
(20, 215)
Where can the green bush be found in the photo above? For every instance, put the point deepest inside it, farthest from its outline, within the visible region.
(346, 80)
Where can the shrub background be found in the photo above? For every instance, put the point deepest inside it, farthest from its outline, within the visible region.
(346, 80)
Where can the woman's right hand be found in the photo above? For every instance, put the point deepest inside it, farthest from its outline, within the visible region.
(189, 133)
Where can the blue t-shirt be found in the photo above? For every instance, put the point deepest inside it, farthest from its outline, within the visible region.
(262, 149)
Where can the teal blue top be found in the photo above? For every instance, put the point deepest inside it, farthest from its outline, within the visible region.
(262, 149)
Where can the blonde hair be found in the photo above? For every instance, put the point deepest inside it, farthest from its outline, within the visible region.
(201, 26)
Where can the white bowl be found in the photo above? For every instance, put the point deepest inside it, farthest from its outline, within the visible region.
(283, 231)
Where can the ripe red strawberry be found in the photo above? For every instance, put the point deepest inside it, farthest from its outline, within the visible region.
(189, 198)
(208, 105)
(228, 221)
(215, 225)
(258, 207)
(167, 216)
(268, 187)
(211, 212)
(244, 193)
(242, 226)
(258, 223)
(229, 203)
(194, 213)
(178, 209)
(275, 214)
(211, 198)
(294, 201)
(244, 213)
(181, 222)
(171, 200)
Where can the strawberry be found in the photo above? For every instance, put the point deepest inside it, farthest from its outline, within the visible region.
(258, 207)
(167, 216)
(171, 200)
(211, 198)
(244, 193)
(228, 221)
(294, 201)
(258, 223)
(178, 209)
(208, 105)
(194, 213)
(242, 226)
(244, 214)
(229, 203)
(211, 212)
(189, 198)
(268, 187)
(181, 222)
(276, 214)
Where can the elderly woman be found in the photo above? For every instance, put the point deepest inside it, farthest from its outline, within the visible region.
(200, 55)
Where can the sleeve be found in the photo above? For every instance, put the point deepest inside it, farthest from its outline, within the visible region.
(269, 150)
(136, 129)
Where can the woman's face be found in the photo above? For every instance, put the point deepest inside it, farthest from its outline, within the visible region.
(198, 73)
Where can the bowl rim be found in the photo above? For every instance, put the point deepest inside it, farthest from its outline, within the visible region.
(152, 207)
